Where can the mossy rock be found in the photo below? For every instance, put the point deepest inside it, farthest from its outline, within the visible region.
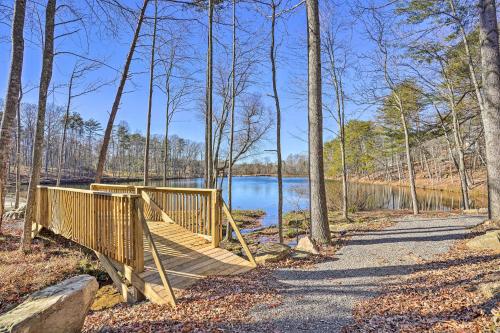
(271, 252)
(232, 246)
(106, 297)
(292, 233)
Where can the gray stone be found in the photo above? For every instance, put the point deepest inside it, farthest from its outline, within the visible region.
(306, 244)
(271, 252)
(15, 214)
(56, 309)
(488, 241)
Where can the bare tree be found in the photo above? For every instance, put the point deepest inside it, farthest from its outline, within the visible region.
(320, 231)
(376, 32)
(209, 161)
(177, 86)
(490, 60)
(116, 104)
(80, 70)
(274, 6)
(336, 71)
(150, 100)
(12, 98)
(229, 231)
(45, 78)
(279, 171)
(18, 151)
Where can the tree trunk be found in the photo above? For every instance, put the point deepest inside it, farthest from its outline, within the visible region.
(470, 63)
(18, 151)
(209, 94)
(461, 160)
(12, 98)
(490, 60)
(278, 124)
(409, 161)
(165, 156)
(229, 232)
(45, 77)
(344, 166)
(150, 101)
(318, 211)
(339, 93)
(116, 104)
(60, 163)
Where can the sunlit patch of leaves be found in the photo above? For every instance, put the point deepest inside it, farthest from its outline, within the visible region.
(215, 304)
(442, 295)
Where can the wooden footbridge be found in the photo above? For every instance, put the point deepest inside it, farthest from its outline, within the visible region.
(153, 241)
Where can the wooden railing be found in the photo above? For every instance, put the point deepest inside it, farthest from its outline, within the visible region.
(108, 223)
(111, 220)
(196, 209)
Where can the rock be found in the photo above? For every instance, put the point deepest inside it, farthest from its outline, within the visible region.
(232, 246)
(306, 244)
(106, 297)
(488, 241)
(271, 252)
(15, 214)
(299, 255)
(56, 309)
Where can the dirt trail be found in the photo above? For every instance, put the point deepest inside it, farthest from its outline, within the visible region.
(321, 299)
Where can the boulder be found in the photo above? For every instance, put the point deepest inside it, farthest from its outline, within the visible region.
(300, 255)
(271, 252)
(56, 309)
(488, 241)
(306, 244)
(15, 214)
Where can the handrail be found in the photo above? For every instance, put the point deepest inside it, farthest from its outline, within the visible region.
(104, 222)
(96, 191)
(196, 209)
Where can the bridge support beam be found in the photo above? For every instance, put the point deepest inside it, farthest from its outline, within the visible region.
(129, 292)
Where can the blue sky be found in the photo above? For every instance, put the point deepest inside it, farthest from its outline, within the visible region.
(292, 69)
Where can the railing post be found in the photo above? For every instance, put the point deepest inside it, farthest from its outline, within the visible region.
(137, 215)
(215, 217)
(42, 207)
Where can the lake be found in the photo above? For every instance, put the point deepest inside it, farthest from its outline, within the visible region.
(262, 193)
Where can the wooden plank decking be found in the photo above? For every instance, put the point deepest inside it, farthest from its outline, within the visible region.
(187, 257)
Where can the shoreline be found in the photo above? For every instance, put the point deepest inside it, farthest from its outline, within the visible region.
(478, 189)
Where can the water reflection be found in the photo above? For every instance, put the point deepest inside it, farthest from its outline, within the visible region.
(261, 193)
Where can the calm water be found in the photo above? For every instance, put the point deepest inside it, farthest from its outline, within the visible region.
(262, 193)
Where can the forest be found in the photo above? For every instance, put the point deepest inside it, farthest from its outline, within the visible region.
(275, 103)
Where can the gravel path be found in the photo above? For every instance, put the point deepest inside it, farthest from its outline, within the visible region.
(321, 299)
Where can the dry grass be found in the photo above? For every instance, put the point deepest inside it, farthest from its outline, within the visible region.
(52, 259)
